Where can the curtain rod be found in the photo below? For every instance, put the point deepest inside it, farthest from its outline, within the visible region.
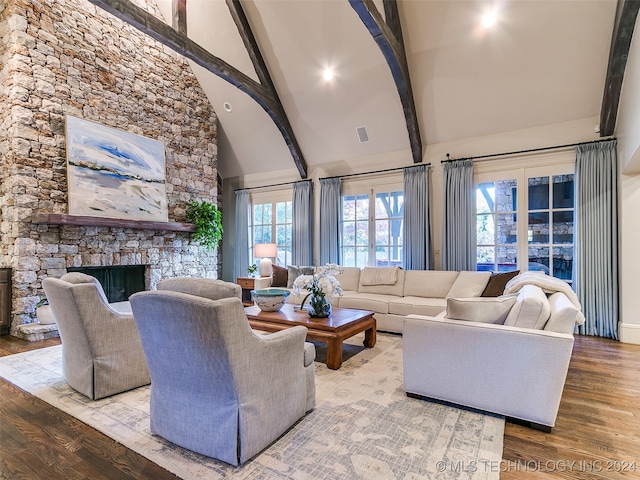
(375, 171)
(531, 150)
(274, 185)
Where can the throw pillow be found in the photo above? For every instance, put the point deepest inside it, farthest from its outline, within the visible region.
(531, 309)
(468, 284)
(497, 282)
(478, 309)
(280, 276)
(294, 271)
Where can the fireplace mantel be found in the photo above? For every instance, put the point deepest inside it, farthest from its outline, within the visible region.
(65, 219)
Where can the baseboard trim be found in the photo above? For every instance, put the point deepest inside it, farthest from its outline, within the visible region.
(629, 333)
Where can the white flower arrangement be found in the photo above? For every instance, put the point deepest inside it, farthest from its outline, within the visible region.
(323, 283)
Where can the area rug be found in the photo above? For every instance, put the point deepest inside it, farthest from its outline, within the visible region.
(363, 426)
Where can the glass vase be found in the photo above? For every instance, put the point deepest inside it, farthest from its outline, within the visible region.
(318, 307)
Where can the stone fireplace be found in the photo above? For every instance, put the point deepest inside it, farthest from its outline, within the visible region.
(70, 57)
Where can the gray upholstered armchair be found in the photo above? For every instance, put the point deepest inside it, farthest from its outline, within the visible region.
(218, 388)
(101, 350)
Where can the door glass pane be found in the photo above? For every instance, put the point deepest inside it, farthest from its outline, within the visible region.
(507, 228)
(563, 262)
(505, 196)
(539, 259)
(538, 193)
(563, 191)
(538, 227)
(507, 258)
(485, 230)
(485, 194)
(563, 227)
(362, 256)
(486, 258)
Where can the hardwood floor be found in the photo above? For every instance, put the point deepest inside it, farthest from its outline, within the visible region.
(597, 433)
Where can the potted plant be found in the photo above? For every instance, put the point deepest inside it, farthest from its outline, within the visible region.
(252, 269)
(208, 221)
(44, 313)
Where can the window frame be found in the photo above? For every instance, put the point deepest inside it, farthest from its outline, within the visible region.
(547, 164)
(370, 187)
(273, 198)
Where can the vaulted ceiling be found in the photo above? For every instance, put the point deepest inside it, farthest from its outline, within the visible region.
(544, 62)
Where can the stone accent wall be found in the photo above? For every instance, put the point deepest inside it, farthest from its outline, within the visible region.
(62, 57)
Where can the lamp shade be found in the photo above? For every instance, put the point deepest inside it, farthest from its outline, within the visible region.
(263, 250)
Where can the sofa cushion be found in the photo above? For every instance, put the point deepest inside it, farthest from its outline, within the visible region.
(497, 282)
(478, 309)
(280, 276)
(397, 289)
(417, 306)
(531, 309)
(564, 314)
(373, 302)
(428, 283)
(469, 284)
(349, 278)
(379, 275)
(294, 271)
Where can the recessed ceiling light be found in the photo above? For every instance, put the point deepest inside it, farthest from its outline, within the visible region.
(327, 74)
(489, 19)
(227, 107)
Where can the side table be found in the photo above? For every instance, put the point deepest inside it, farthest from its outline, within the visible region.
(247, 284)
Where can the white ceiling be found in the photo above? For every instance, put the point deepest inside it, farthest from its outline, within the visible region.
(544, 62)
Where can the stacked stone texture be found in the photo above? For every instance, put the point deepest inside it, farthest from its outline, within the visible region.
(68, 57)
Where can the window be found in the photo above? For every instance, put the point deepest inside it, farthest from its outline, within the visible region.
(269, 228)
(524, 220)
(496, 226)
(550, 225)
(371, 229)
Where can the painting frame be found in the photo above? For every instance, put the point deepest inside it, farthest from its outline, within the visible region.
(114, 174)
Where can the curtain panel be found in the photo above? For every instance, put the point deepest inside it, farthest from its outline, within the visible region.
(459, 216)
(596, 242)
(302, 224)
(416, 227)
(330, 196)
(243, 205)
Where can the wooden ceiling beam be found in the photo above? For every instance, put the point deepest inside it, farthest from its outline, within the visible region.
(179, 19)
(388, 36)
(626, 15)
(181, 44)
(260, 66)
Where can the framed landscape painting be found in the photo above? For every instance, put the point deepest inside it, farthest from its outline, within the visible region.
(114, 174)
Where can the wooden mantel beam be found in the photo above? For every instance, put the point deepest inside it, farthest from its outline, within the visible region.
(388, 36)
(626, 14)
(181, 44)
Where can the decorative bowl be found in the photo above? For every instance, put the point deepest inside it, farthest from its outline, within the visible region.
(270, 299)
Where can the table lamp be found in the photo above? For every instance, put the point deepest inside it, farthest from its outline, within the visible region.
(267, 251)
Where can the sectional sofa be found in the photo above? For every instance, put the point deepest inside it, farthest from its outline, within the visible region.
(393, 293)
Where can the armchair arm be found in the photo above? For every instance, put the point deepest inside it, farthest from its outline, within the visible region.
(506, 370)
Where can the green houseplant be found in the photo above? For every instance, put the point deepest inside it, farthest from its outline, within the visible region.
(208, 221)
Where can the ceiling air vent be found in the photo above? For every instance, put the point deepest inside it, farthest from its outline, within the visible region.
(363, 136)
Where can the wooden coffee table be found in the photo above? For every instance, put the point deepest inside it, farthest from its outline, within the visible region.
(342, 324)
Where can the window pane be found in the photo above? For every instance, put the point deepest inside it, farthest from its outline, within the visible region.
(486, 258)
(267, 209)
(507, 258)
(348, 207)
(507, 228)
(348, 258)
(349, 233)
(362, 233)
(563, 262)
(257, 213)
(362, 207)
(538, 193)
(539, 259)
(563, 191)
(362, 256)
(539, 227)
(485, 197)
(485, 230)
(563, 227)
(506, 196)
(382, 232)
(280, 212)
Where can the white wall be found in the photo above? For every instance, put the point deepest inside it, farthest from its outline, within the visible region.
(628, 134)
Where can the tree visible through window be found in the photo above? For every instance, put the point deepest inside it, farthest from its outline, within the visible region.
(362, 214)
